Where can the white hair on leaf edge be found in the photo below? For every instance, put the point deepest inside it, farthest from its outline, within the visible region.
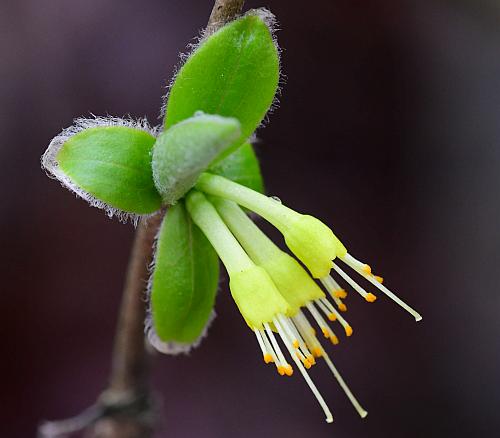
(270, 21)
(171, 347)
(167, 347)
(51, 167)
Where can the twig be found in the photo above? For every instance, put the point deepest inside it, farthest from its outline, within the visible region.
(130, 364)
(125, 408)
(222, 12)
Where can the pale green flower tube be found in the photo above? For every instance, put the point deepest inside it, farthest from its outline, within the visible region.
(251, 287)
(291, 279)
(307, 237)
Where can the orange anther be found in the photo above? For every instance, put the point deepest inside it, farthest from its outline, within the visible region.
(370, 297)
(378, 278)
(367, 269)
(342, 307)
(326, 333)
(332, 317)
(317, 352)
(348, 330)
(334, 340)
(268, 358)
(341, 293)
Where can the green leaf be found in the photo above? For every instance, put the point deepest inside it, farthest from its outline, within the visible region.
(185, 279)
(242, 167)
(184, 151)
(113, 165)
(234, 73)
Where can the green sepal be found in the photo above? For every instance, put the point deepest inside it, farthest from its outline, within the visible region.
(184, 281)
(242, 167)
(234, 73)
(112, 164)
(184, 151)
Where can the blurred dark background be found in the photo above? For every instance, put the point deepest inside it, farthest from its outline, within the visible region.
(387, 130)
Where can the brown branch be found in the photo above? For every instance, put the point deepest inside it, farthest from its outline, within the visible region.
(222, 12)
(129, 366)
(125, 409)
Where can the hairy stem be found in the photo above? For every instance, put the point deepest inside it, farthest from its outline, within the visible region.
(125, 409)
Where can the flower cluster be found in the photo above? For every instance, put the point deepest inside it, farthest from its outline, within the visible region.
(278, 299)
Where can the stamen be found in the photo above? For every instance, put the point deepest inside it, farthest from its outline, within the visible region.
(342, 307)
(284, 367)
(291, 335)
(355, 264)
(327, 333)
(341, 293)
(268, 358)
(329, 306)
(290, 340)
(328, 313)
(310, 383)
(335, 291)
(352, 283)
(269, 349)
(338, 316)
(306, 331)
(362, 413)
(334, 340)
(288, 323)
(333, 287)
(305, 361)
